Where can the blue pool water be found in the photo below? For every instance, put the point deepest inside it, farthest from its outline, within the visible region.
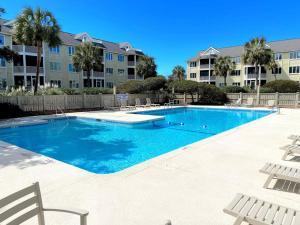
(104, 147)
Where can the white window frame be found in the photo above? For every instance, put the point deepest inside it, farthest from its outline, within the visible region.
(4, 62)
(54, 50)
(73, 70)
(71, 50)
(1, 35)
(193, 77)
(123, 72)
(276, 56)
(109, 56)
(122, 57)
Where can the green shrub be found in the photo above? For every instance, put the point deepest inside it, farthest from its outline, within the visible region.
(234, 89)
(154, 83)
(266, 90)
(211, 95)
(70, 91)
(131, 87)
(8, 110)
(95, 91)
(283, 86)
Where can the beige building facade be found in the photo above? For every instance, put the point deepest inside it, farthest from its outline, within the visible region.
(286, 53)
(56, 69)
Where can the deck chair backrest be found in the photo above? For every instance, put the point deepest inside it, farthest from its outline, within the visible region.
(22, 206)
(271, 103)
(137, 101)
(239, 101)
(148, 100)
(123, 103)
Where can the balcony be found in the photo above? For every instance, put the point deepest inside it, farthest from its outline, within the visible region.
(131, 63)
(252, 76)
(17, 48)
(18, 69)
(206, 78)
(205, 66)
(32, 69)
(98, 74)
(131, 77)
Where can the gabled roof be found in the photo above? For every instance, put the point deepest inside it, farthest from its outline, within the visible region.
(277, 46)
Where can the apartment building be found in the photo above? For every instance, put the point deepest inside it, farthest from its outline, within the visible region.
(56, 69)
(286, 53)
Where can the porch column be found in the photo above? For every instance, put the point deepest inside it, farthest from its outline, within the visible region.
(25, 71)
(209, 70)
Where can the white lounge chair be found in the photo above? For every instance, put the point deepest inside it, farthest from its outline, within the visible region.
(125, 106)
(271, 103)
(290, 150)
(238, 102)
(138, 103)
(280, 172)
(294, 138)
(250, 102)
(149, 103)
(26, 204)
(259, 212)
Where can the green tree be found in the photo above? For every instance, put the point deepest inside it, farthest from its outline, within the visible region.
(6, 52)
(154, 83)
(87, 57)
(146, 67)
(185, 86)
(273, 66)
(223, 67)
(178, 73)
(35, 27)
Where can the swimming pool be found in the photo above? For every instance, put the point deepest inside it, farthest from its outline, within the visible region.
(104, 147)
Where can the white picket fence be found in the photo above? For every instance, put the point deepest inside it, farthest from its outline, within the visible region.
(72, 102)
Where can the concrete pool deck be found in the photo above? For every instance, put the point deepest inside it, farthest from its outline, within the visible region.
(189, 186)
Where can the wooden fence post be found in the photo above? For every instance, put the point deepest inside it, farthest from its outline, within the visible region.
(241, 97)
(83, 100)
(43, 100)
(277, 99)
(100, 100)
(297, 99)
(184, 98)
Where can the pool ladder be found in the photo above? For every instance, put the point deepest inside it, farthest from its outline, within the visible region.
(61, 112)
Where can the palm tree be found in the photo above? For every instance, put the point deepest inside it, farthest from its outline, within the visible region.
(2, 11)
(178, 72)
(33, 27)
(146, 67)
(86, 58)
(223, 66)
(258, 54)
(273, 66)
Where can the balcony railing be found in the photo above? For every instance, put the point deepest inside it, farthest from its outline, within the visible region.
(32, 69)
(131, 63)
(139, 77)
(18, 69)
(98, 74)
(28, 49)
(131, 76)
(253, 76)
(17, 48)
(204, 66)
(212, 78)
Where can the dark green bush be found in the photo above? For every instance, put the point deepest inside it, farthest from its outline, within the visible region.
(96, 91)
(266, 90)
(154, 83)
(70, 91)
(8, 110)
(184, 86)
(234, 89)
(283, 86)
(211, 95)
(131, 87)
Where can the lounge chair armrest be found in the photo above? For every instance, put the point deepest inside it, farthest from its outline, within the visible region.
(79, 212)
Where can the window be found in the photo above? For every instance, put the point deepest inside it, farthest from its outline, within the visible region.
(295, 55)
(55, 83)
(121, 58)
(235, 73)
(277, 56)
(54, 50)
(294, 69)
(193, 75)
(221, 84)
(109, 56)
(73, 84)
(109, 70)
(71, 68)
(1, 40)
(3, 83)
(236, 84)
(276, 70)
(2, 62)
(71, 50)
(236, 60)
(121, 71)
(193, 64)
(54, 66)
(109, 84)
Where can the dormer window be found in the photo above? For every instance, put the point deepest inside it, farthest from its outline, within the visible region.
(84, 39)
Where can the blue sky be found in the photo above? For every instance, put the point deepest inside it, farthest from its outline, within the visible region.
(172, 31)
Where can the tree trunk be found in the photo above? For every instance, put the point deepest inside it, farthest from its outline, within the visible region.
(256, 77)
(37, 74)
(225, 80)
(258, 86)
